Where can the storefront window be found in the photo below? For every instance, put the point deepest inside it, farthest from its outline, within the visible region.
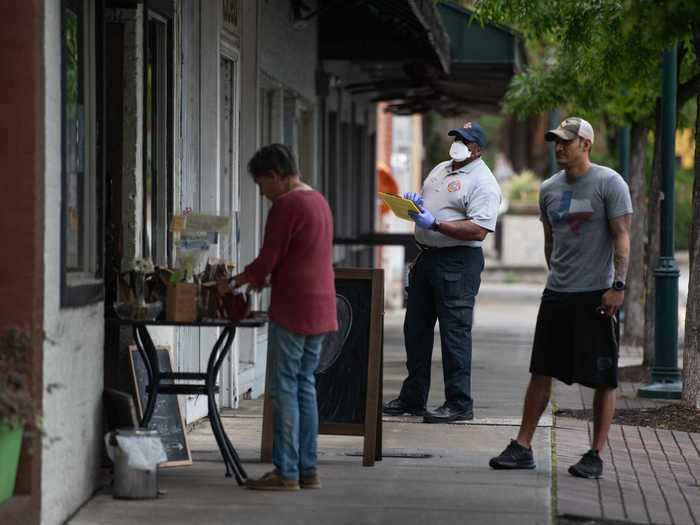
(80, 280)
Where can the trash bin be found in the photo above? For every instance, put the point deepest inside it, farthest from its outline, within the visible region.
(136, 455)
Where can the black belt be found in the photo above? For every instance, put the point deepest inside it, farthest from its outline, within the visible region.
(425, 248)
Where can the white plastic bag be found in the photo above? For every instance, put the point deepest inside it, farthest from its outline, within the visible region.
(142, 452)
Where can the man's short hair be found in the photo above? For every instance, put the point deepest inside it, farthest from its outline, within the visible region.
(276, 158)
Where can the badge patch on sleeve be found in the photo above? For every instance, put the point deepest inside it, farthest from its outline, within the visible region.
(454, 186)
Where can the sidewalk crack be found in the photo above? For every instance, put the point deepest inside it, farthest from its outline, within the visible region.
(673, 473)
(617, 478)
(597, 481)
(656, 476)
(636, 474)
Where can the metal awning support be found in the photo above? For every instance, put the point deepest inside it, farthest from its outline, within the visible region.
(482, 58)
(426, 12)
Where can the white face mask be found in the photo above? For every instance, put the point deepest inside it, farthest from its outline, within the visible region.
(459, 151)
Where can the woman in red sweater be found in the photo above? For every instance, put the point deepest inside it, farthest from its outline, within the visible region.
(297, 256)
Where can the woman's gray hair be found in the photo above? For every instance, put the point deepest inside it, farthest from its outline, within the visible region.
(276, 158)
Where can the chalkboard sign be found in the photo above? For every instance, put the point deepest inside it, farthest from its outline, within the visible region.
(167, 418)
(349, 375)
(341, 378)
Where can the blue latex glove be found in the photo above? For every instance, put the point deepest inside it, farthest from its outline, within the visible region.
(415, 197)
(424, 219)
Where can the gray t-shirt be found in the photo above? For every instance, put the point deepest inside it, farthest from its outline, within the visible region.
(579, 213)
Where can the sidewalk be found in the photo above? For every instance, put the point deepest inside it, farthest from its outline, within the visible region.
(651, 475)
(439, 473)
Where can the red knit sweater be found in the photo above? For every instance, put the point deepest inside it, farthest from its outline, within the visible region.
(297, 253)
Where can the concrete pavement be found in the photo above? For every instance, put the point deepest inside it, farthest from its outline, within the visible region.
(439, 473)
(429, 474)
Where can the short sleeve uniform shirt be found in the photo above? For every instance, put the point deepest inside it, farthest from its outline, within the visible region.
(470, 192)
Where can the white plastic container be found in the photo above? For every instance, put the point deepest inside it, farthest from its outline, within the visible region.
(136, 455)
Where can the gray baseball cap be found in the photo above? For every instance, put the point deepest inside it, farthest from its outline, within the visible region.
(571, 128)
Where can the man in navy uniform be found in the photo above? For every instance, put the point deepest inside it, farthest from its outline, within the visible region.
(459, 204)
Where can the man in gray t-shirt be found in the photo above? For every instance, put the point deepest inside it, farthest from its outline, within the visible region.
(586, 211)
(578, 212)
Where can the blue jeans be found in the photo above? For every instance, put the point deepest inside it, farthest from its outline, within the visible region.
(293, 361)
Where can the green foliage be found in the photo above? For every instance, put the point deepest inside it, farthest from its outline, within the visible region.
(523, 188)
(17, 405)
(601, 57)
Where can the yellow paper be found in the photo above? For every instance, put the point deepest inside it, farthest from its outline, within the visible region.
(399, 205)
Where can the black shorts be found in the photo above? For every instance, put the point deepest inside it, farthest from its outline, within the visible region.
(573, 342)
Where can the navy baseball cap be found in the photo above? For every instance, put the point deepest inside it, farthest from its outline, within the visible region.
(471, 132)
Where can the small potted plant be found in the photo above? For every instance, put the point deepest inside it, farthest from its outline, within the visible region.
(17, 406)
(135, 306)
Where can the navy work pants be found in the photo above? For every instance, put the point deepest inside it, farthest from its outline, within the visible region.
(442, 285)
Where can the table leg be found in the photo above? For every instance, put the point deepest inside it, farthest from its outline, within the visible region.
(214, 421)
(217, 431)
(232, 451)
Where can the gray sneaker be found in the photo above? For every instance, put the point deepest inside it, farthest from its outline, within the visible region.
(515, 456)
(589, 466)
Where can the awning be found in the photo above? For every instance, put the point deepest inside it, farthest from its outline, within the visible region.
(383, 31)
(483, 60)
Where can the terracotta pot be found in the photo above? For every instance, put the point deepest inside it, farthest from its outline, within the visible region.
(236, 306)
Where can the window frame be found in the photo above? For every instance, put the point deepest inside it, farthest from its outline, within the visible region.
(159, 245)
(80, 288)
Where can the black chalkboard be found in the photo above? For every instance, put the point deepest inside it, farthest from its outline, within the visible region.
(167, 418)
(349, 375)
(341, 379)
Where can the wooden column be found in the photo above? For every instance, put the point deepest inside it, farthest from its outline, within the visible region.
(22, 217)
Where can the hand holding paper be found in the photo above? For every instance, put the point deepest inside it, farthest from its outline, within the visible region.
(399, 205)
(424, 219)
(415, 197)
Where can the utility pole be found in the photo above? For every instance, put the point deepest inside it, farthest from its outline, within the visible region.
(665, 376)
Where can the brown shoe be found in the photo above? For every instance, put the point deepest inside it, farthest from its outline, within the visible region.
(272, 481)
(310, 482)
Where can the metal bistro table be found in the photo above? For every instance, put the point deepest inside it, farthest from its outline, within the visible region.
(207, 385)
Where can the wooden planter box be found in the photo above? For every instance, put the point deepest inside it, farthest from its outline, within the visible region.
(181, 302)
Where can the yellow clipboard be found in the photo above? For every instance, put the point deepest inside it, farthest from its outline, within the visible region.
(399, 205)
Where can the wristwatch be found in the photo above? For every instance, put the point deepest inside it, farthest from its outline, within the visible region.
(618, 285)
(435, 226)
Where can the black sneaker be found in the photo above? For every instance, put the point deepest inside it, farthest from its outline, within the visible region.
(589, 466)
(396, 407)
(515, 456)
(448, 414)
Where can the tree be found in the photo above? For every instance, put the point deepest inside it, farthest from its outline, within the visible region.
(601, 59)
(575, 74)
(691, 350)
(681, 18)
